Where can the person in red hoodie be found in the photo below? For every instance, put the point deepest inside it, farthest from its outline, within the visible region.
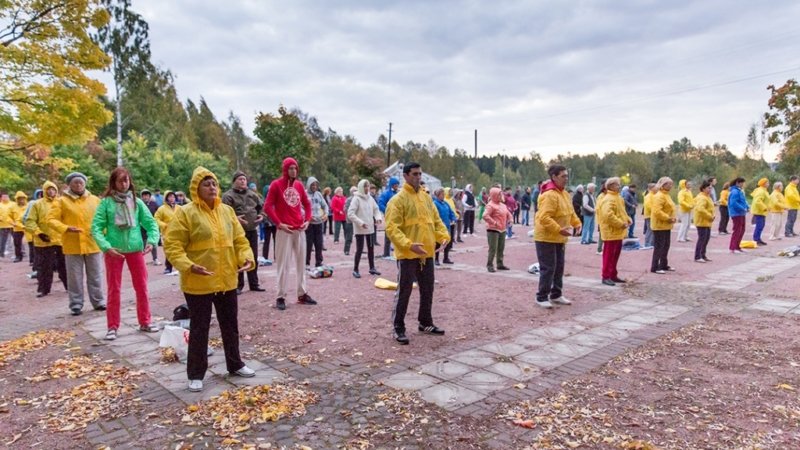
(496, 216)
(288, 207)
(339, 214)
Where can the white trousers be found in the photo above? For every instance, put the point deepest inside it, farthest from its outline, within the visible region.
(288, 246)
(686, 221)
(776, 224)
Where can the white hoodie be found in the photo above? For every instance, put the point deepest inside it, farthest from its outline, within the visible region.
(363, 211)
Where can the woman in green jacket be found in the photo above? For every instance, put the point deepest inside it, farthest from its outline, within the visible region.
(116, 229)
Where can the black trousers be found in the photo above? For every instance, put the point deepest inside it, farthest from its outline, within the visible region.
(17, 236)
(387, 245)
(252, 275)
(703, 236)
(447, 247)
(409, 271)
(330, 224)
(551, 270)
(269, 231)
(661, 242)
(32, 256)
(360, 238)
(723, 219)
(50, 259)
(314, 235)
(226, 305)
(5, 233)
(469, 221)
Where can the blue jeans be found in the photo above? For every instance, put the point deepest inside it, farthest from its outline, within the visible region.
(588, 229)
(526, 217)
(509, 233)
(633, 225)
(760, 221)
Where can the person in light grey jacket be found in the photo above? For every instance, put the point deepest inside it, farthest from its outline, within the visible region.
(364, 213)
(315, 233)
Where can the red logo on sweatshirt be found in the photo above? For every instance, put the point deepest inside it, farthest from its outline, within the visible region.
(291, 196)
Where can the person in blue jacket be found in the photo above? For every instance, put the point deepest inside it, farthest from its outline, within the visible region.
(737, 210)
(448, 216)
(383, 200)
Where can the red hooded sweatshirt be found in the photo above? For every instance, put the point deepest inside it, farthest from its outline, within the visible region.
(286, 203)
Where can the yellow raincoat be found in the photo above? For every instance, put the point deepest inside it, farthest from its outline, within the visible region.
(165, 214)
(19, 211)
(449, 199)
(648, 201)
(72, 211)
(411, 218)
(6, 210)
(777, 202)
(792, 196)
(703, 210)
(612, 218)
(662, 209)
(685, 198)
(723, 197)
(555, 212)
(37, 219)
(212, 238)
(760, 204)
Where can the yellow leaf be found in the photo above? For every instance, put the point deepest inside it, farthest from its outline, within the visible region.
(785, 387)
(241, 429)
(69, 427)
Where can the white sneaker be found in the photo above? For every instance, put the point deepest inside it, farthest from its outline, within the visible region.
(545, 304)
(700, 261)
(661, 272)
(561, 301)
(245, 372)
(111, 334)
(195, 385)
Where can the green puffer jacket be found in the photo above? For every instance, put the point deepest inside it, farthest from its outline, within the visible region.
(108, 236)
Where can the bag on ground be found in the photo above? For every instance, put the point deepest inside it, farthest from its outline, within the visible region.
(177, 338)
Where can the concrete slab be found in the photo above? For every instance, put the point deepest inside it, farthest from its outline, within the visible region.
(570, 349)
(410, 380)
(770, 308)
(626, 325)
(559, 331)
(450, 396)
(475, 358)
(483, 382)
(608, 332)
(515, 370)
(445, 369)
(590, 340)
(504, 348)
(644, 317)
(530, 341)
(544, 359)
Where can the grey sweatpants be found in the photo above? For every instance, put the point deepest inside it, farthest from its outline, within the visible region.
(93, 264)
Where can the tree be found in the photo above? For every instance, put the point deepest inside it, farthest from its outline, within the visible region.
(238, 139)
(46, 98)
(783, 122)
(280, 136)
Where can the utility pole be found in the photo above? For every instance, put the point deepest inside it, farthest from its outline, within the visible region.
(504, 168)
(389, 147)
(476, 143)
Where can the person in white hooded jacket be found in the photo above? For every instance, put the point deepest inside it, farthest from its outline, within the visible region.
(364, 213)
(315, 233)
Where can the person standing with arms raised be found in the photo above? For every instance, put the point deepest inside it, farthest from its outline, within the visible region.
(414, 227)
(553, 226)
(289, 208)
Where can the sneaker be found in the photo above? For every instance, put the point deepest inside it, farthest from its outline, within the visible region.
(111, 334)
(306, 299)
(100, 308)
(700, 260)
(257, 289)
(608, 282)
(761, 243)
(448, 261)
(167, 271)
(156, 262)
(76, 312)
(707, 260)
(436, 262)
(660, 271)
(374, 272)
(356, 274)
(670, 269)
(503, 268)
(149, 328)
(618, 280)
(491, 269)
(400, 336)
(431, 329)
(280, 304)
(545, 304)
(245, 372)
(647, 247)
(561, 301)
(195, 385)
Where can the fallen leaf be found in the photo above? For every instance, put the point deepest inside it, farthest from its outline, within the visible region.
(525, 423)
(785, 387)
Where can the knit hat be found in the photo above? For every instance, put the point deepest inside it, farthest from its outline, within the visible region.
(74, 175)
(762, 182)
(238, 174)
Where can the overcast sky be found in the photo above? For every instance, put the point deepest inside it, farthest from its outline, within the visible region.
(546, 76)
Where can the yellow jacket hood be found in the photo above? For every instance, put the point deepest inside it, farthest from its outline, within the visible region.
(199, 174)
(682, 184)
(20, 195)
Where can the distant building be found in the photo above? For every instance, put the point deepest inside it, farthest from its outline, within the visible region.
(396, 170)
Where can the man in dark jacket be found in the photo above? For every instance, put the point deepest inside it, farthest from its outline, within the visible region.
(147, 198)
(577, 203)
(631, 202)
(247, 205)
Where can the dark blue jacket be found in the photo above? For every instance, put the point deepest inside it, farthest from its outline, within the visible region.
(445, 212)
(387, 195)
(737, 205)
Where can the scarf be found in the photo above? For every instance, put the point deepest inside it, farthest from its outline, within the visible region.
(125, 206)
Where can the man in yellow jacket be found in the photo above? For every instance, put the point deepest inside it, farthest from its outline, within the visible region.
(6, 222)
(71, 217)
(18, 232)
(163, 216)
(759, 208)
(792, 203)
(555, 220)
(414, 228)
(685, 207)
(47, 241)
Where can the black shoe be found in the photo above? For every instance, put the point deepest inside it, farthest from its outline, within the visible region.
(374, 272)
(16, 260)
(436, 262)
(448, 261)
(280, 304)
(459, 240)
(76, 312)
(356, 274)
(592, 242)
(400, 337)
(618, 280)
(306, 299)
(608, 282)
(324, 249)
(431, 329)
(257, 289)
(491, 269)
(239, 291)
(41, 294)
(346, 253)
(503, 268)
(100, 308)
(761, 243)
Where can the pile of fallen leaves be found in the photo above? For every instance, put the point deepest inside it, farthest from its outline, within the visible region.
(72, 367)
(280, 354)
(685, 337)
(408, 411)
(168, 355)
(33, 341)
(234, 412)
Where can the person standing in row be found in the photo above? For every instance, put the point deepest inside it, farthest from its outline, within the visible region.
(33, 261)
(326, 194)
(662, 219)
(511, 204)
(760, 209)
(163, 217)
(364, 214)
(631, 203)
(18, 232)
(777, 211)
(288, 207)
(552, 228)
(588, 213)
(597, 201)
(116, 229)
(6, 222)
(49, 254)
(469, 210)
(339, 214)
(648, 230)
(703, 218)
(448, 216)
(614, 224)
(152, 206)
(414, 227)
(270, 231)
(383, 200)
(792, 203)
(207, 244)
(496, 217)
(315, 232)
(246, 203)
(348, 226)
(458, 199)
(71, 217)
(577, 205)
(737, 209)
(685, 205)
(526, 207)
(724, 216)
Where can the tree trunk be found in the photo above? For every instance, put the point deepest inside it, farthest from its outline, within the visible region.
(119, 121)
